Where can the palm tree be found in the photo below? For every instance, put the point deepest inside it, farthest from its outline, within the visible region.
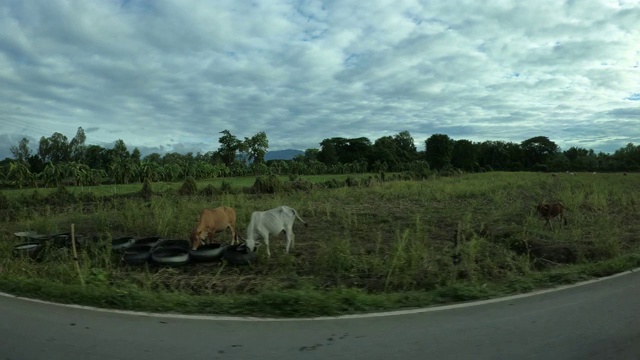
(122, 169)
(96, 176)
(171, 172)
(149, 170)
(51, 175)
(20, 173)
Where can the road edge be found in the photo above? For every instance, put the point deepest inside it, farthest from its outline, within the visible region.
(339, 317)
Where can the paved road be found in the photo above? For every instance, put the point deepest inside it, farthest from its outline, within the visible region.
(595, 321)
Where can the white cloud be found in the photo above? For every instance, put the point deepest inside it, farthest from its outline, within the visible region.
(151, 71)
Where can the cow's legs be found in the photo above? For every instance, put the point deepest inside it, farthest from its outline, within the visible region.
(234, 235)
(265, 237)
(290, 238)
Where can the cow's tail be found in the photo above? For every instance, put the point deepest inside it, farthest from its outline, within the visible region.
(299, 218)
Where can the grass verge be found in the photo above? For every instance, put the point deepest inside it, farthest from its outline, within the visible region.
(305, 302)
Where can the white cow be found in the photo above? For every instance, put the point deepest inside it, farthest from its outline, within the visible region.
(271, 222)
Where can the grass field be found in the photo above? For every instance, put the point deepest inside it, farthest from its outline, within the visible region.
(395, 244)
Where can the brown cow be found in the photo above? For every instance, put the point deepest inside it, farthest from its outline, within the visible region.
(211, 221)
(552, 210)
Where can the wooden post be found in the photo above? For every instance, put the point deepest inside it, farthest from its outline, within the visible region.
(75, 253)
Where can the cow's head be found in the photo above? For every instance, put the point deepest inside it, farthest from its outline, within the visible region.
(251, 244)
(542, 208)
(197, 237)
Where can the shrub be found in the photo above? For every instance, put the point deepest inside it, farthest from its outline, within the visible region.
(351, 182)
(5, 203)
(209, 190)
(189, 187)
(299, 185)
(36, 197)
(60, 197)
(332, 184)
(87, 197)
(225, 187)
(146, 192)
(269, 184)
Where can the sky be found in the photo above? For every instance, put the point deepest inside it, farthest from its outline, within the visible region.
(168, 76)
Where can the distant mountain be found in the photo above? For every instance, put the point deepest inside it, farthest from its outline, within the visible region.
(287, 154)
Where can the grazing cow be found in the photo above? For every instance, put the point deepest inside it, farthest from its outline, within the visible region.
(550, 211)
(211, 221)
(271, 222)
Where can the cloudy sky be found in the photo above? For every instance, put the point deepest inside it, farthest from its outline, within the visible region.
(170, 75)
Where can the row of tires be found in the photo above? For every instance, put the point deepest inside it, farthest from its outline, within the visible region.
(34, 244)
(140, 251)
(178, 252)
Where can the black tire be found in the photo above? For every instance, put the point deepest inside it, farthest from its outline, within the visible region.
(208, 252)
(63, 239)
(173, 242)
(39, 238)
(122, 243)
(24, 234)
(151, 241)
(137, 254)
(32, 250)
(239, 255)
(170, 255)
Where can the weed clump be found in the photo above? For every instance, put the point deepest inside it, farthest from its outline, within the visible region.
(60, 197)
(352, 182)
(146, 192)
(299, 185)
(189, 187)
(269, 184)
(5, 203)
(87, 197)
(225, 187)
(332, 184)
(209, 190)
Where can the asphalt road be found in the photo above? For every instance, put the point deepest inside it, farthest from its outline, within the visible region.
(600, 320)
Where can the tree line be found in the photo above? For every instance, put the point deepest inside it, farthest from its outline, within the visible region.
(59, 160)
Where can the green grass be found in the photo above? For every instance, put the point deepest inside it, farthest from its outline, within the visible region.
(120, 189)
(381, 247)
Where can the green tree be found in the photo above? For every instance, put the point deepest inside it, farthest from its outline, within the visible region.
(153, 157)
(406, 150)
(328, 153)
(628, 157)
(54, 148)
(97, 157)
(385, 154)
(463, 155)
(20, 174)
(21, 152)
(150, 170)
(135, 155)
(438, 150)
(51, 175)
(355, 149)
(120, 150)
(77, 148)
(229, 147)
(257, 147)
(310, 155)
(538, 150)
